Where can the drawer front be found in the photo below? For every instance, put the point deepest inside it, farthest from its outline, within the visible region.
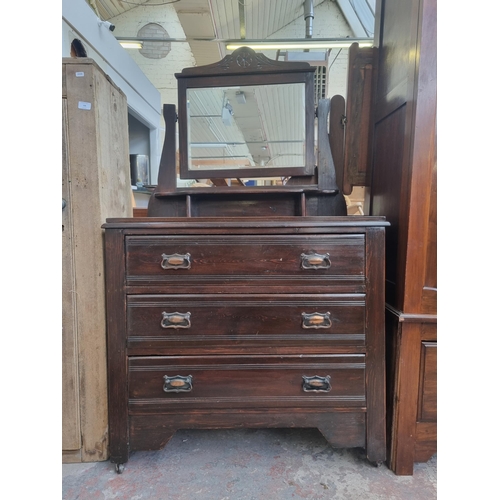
(163, 321)
(232, 260)
(166, 383)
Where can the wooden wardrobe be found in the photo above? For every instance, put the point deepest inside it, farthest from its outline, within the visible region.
(403, 188)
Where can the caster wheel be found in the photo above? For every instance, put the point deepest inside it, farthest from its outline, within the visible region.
(120, 468)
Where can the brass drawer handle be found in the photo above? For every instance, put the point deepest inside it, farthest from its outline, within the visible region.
(176, 320)
(178, 383)
(316, 384)
(316, 320)
(176, 261)
(315, 261)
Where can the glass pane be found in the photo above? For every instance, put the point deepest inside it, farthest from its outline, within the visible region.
(246, 126)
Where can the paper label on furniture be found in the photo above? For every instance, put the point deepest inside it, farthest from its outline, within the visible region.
(79, 74)
(84, 105)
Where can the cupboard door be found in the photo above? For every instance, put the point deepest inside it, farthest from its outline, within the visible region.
(70, 398)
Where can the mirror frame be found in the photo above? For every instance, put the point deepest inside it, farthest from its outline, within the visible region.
(242, 68)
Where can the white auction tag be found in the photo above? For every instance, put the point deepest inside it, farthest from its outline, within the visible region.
(84, 105)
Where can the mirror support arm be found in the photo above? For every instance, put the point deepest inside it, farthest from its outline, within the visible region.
(167, 175)
(326, 169)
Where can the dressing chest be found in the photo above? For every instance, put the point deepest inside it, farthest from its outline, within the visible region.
(246, 307)
(217, 323)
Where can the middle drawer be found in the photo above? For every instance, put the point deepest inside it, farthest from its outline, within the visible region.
(261, 319)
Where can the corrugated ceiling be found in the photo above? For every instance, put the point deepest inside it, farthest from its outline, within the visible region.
(235, 19)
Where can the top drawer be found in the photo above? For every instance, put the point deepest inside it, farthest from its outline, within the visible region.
(305, 262)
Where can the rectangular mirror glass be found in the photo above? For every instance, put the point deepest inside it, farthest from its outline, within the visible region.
(246, 127)
(246, 117)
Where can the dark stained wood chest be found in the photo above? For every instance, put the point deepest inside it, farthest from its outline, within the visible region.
(245, 322)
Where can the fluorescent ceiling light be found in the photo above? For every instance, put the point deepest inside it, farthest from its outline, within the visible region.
(298, 44)
(131, 45)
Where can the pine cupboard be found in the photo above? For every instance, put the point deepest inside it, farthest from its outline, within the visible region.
(95, 185)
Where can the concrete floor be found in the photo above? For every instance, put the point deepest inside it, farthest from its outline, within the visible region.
(247, 464)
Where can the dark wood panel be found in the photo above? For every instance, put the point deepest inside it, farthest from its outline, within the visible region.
(427, 406)
(266, 346)
(177, 206)
(375, 347)
(243, 381)
(431, 253)
(387, 197)
(422, 260)
(428, 330)
(116, 346)
(425, 441)
(392, 326)
(261, 257)
(220, 320)
(358, 118)
(336, 136)
(251, 385)
(140, 212)
(429, 292)
(341, 429)
(405, 398)
(396, 57)
(262, 205)
(404, 189)
(242, 225)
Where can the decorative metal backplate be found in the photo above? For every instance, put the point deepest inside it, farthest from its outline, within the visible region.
(316, 320)
(176, 261)
(178, 383)
(176, 320)
(315, 260)
(316, 384)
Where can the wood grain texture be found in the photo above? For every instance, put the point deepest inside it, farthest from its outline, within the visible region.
(388, 197)
(341, 429)
(336, 136)
(358, 118)
(425, 441)
(245, 352)
(71, 434)
(427, 398)
(405, 399)
(140, 212)
(116, 346)
(326, 169)
(375, 347)
(404, 187)
(412, 386)
(238, 258)
(245, 320)
(99, 187)
(245, 382)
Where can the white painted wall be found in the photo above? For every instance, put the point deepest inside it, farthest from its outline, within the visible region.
(159, 71)
(143, 99)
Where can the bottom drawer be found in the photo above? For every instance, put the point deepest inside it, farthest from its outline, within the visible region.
(182, 382)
